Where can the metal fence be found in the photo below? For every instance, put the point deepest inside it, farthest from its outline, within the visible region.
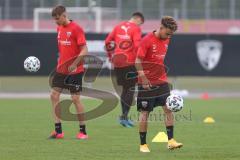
(153, 9)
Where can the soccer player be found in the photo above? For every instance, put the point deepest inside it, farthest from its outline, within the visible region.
(72, 48)
(121, 45)
(153, 86)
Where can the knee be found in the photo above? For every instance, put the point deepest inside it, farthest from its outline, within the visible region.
(144, 116)
(55, 96)
(145, 113)
(75, 99)
(127, 97)
(167, 111)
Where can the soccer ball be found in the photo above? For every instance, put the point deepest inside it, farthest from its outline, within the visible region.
(174, 103)
(32, 64)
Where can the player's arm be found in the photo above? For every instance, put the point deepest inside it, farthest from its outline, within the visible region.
(141, 53)
(137, 34)
(110, 44)
(79, 59)
(146, 83)
(81, 41)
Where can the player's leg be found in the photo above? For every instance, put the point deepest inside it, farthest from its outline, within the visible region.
(169, 122)
(80, 114)
(126, 103)
(75, 90)
(125, 98)
(55, 98)
(79, 107)
(145, 105)
(119, 80)
(128, 81)
(143, 124)
(164, 91)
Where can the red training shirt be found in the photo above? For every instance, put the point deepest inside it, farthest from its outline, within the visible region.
(152, 52)
(126, 37)
(70, 39)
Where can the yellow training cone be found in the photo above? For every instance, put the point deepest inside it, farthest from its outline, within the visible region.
(209, 120)
(160, 137)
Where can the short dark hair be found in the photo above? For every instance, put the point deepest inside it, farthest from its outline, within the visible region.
(169, 22)
(138, 14)
(58, 10)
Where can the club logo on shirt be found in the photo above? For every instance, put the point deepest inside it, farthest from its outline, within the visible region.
(69, 34)
(157, 54)
(209, 53)
(65, 42)
(144, 104)
(154, 48)
(77, 87)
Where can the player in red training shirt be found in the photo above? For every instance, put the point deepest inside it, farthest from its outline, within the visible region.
(153, 86)
(121, 45)
(72, 48)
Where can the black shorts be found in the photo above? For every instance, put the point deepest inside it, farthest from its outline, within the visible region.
(126, 75)
(156, 96)
(72, 82)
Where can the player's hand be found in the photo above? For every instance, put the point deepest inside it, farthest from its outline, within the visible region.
(72, 68)
(146, 83)
(110, 46)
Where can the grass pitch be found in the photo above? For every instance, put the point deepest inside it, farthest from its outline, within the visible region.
(26, 123)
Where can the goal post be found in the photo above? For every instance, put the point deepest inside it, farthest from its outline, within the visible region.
(90, 18)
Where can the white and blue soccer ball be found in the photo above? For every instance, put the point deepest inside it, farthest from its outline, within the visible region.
(174, 103)
(32, 64)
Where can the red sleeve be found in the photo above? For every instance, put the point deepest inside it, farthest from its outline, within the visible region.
(109, 43)
(110, 37)
(142, 49)
(58, 36)
(80, 36)
(137, 34)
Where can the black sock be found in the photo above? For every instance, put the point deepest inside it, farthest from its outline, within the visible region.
(58, 128)
(169, 132)
(83, 129)
(143, 137)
